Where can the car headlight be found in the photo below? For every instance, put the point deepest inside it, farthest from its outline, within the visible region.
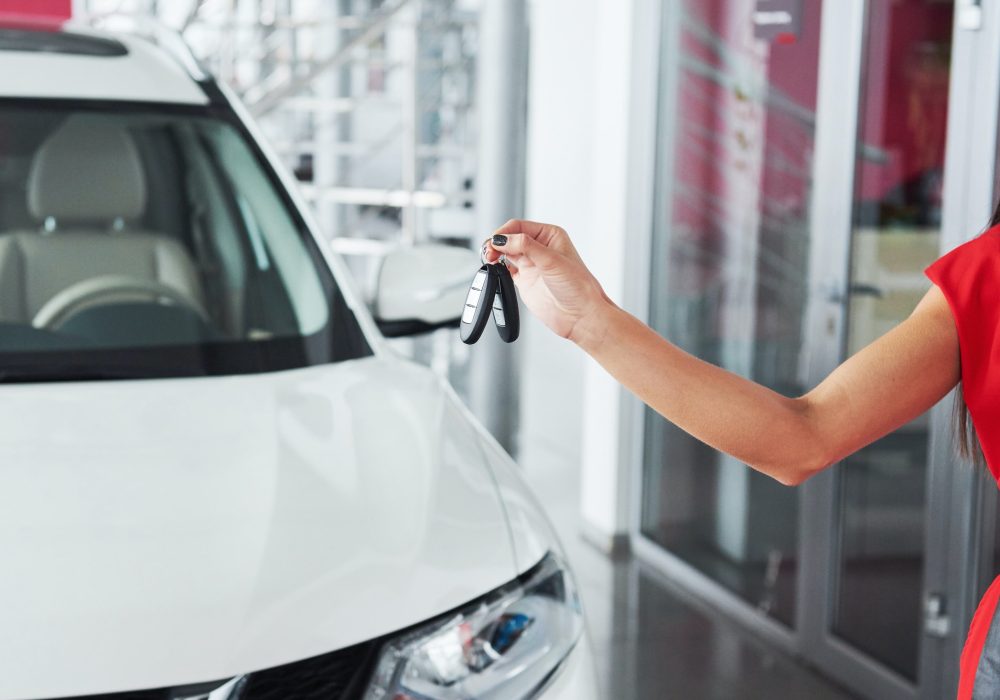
(506, 645)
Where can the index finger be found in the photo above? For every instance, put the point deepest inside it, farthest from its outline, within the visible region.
(546, 234)
(532, 228)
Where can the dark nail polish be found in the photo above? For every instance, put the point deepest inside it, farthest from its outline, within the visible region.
(499, 240)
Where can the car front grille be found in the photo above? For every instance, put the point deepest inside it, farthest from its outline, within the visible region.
(338, 675)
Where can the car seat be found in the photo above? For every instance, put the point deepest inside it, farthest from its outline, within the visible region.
(86, 186)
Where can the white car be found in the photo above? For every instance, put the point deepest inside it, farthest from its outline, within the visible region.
(215, 480)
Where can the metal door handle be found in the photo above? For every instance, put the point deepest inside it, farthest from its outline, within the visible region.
(970, 15)
(866, 290)
(936, 620)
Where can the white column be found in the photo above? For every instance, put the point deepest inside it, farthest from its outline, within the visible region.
(616, 247)
(501, 104)
(591, 148)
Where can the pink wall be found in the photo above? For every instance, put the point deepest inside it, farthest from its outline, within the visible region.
(58, 9)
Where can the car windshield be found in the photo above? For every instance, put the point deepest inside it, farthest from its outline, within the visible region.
(145, 241)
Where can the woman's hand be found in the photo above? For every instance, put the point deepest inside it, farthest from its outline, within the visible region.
(550, 275)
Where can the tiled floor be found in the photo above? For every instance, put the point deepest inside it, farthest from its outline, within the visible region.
(651, 640)
(659, 644)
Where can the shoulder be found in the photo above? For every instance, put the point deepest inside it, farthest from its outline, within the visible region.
(971, 270)
(968, 277)
(982, 248)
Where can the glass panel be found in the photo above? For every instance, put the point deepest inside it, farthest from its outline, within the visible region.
(730, 247)
(900, 160)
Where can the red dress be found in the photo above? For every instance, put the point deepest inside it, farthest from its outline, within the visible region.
(969, 276)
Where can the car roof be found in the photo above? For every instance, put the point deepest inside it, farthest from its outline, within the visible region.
(75, 61)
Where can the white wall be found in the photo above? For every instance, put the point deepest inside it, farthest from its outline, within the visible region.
(591, 111)
(560, 133)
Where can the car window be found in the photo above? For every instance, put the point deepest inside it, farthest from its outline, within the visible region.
(138, 240)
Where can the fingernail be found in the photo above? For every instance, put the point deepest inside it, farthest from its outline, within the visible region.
(499, 240)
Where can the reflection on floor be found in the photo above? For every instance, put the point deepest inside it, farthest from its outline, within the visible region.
(770, 588)
(662, 644)
(652, 641)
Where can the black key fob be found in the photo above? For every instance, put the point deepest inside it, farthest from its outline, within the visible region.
(478, 304)
(505, 312)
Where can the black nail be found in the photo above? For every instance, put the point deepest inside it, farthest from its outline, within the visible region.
(499, 240)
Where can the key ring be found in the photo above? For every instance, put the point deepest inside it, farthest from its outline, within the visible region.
(482, 253)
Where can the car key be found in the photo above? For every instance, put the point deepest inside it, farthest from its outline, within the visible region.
(505, 312)
(478, 304)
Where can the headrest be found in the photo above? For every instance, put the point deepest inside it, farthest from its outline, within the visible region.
(88, 170)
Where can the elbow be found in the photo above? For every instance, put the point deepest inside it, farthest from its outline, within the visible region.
(791, 478)
(799, 466)
(798, 474)
(794, 470)
(806, 454)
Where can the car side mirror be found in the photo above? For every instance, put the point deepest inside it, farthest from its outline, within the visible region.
(423, 288)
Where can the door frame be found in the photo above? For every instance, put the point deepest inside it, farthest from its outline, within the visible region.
(843, 33)
(660, 66)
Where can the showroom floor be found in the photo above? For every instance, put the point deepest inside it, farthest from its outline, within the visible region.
(651, 640)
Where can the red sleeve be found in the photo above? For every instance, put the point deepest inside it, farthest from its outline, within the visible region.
(969, 277)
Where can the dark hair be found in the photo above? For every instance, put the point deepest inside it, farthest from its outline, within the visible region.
(965, 432)
(969, 446)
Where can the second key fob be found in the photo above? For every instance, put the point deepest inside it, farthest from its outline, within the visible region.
(478, 304)
(505, 311)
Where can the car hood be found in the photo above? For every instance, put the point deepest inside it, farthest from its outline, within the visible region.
(163, 532)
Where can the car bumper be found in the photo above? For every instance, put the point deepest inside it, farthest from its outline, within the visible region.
(577, 680)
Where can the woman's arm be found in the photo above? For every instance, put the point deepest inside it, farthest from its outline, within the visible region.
(885, 385)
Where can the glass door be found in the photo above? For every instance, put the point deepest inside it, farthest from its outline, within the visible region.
(813, 157)
(880, 499)
(731, 250)
(885, 591)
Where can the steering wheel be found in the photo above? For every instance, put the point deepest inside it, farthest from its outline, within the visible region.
(104, 289)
